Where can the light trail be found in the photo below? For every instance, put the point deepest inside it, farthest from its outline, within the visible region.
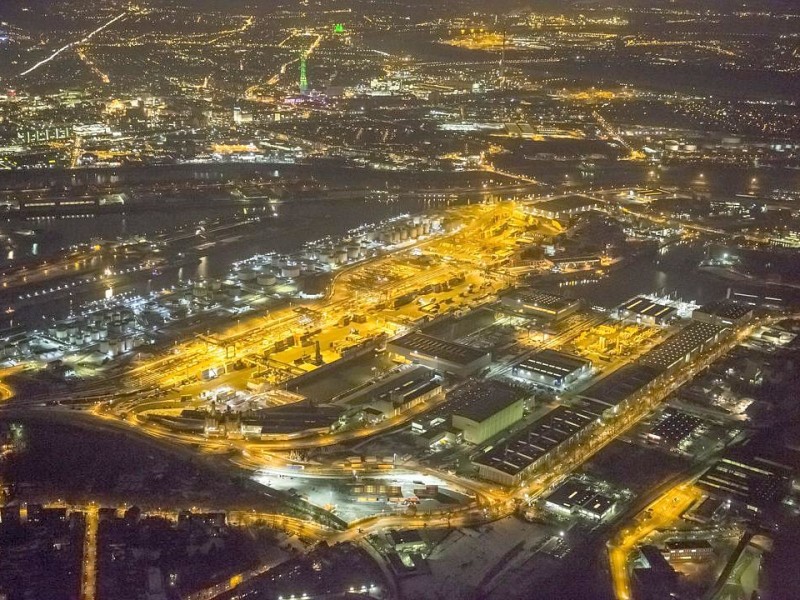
(85, 39)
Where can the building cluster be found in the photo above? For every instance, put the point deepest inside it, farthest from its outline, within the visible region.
(41, 551)
(536, 445)
(142, 555)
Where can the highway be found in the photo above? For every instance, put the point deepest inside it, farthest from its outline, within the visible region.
(66, 47)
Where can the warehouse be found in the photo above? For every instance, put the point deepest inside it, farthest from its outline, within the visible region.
(395, 394)
(441, 355)
(674, 427)
(753, 479)
(509, 462)
(562, 208)
(642, 310)
(552, 368)
(534, 303)
(616, 388)
(685, 345)
(724, 313)
(482, 409)
(576, 498)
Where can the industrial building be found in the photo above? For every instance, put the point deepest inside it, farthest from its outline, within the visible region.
(613, 390)
(752, 479)
(553, 369)
(674, 428)
(685, 345)
(723, 313)
(634, 379)
(438, 354)
(406, 541)
(691, 549)
(562, 208)
(655, 579)
(485, 408)
(643, 310)
(399, 392)
(534, 303)
(576, 498)
(510, 461)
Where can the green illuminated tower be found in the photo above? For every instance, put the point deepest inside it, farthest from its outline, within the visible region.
(303, 75)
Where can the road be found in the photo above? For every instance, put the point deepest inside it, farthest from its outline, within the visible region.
(480, 241)
(658, 515)
(89, 572)
(73, 44)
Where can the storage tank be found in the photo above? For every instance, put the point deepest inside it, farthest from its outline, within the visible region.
(266, 279)
(114, 346)
(246, 275)
(290, 270)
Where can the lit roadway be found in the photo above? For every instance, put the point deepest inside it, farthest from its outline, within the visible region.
(256, 334)
(291, 525)
(639, 408)
(660, 514)
(251, 94)
(89, 570)
(540, 484)
(472, 236)
(677, 223)
(66, 47)
(252, 336)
